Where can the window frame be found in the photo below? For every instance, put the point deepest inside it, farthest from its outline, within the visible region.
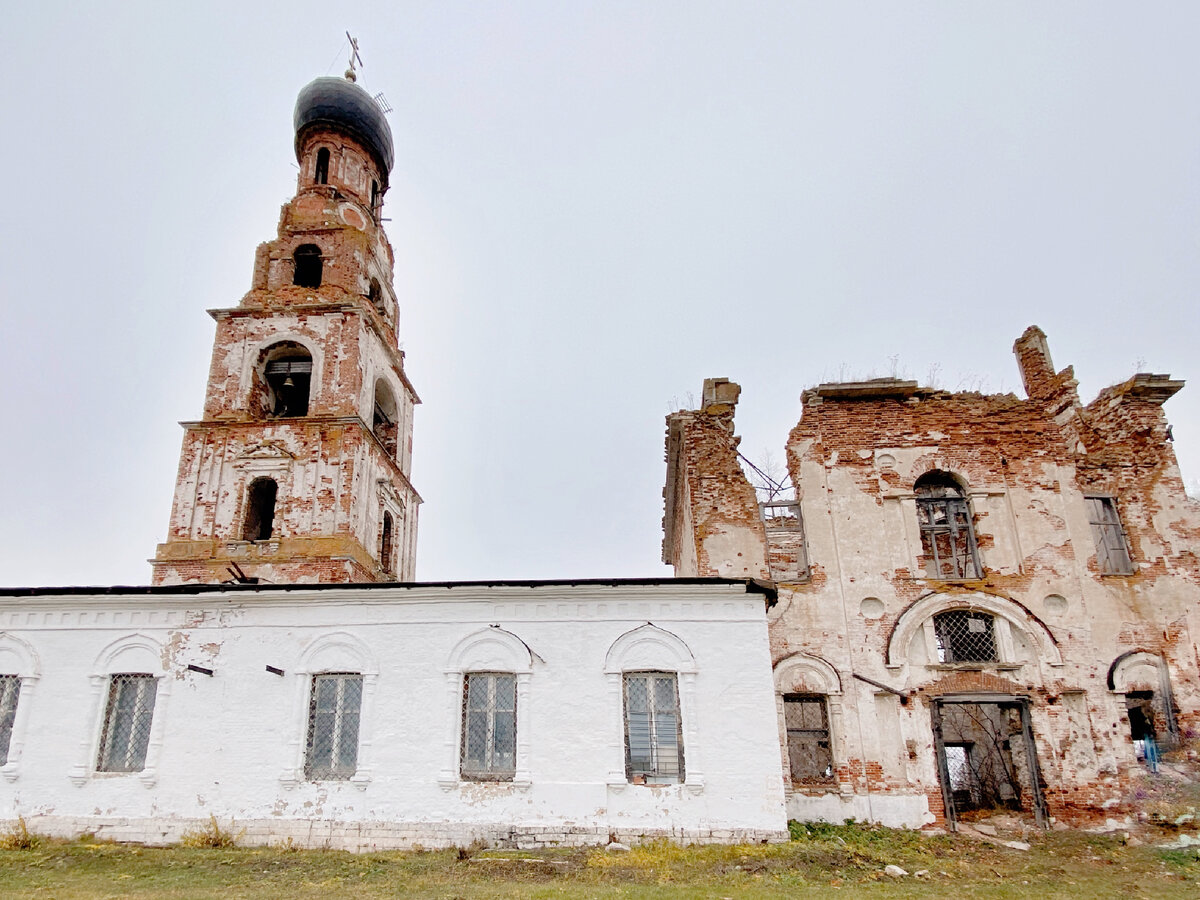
(654, 773)
(945, 640)
(10, 700)
(134, 747)
(936, 490)
(1109, 536)
(490, 770)
(335, 770)
(822, 701)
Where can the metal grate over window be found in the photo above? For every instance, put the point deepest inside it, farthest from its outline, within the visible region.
(809, 756)
(331, 752)
(1112, 549)
(964, 636)
(489, 741)
(10, 691)
(653, 730)
(127, 720)
(947, 532)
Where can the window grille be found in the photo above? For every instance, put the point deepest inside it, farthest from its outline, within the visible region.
(964, 636)
(489, 735)
(10, 691)
(127, 720)
(1112, 549)
(653, 730)
(809, 755)
(947, 532)
(333, 711)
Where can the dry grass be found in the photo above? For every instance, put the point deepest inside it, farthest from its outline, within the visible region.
(823, 860)
(17, 837)
(212, 836)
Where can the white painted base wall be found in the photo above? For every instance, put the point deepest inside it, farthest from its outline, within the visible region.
(232, 744)
(892, 810)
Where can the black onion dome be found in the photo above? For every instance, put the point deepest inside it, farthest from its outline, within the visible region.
(342, 105)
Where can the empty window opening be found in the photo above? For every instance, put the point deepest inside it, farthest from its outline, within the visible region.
(383, 418)
(374, 196)
(987, 758)
(322, 172)
(385, 543)
(286, 380)
(127, 719)
(10, 692)
(809, 757)
(489, 726)
(331, 747)
(307, 266)
(947, 530)
(653, 730)
(375, 295)
(965, 637)
(787, 554)
(1112, 548)
(260, 510)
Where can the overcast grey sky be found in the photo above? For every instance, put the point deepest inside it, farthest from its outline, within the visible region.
(595, 205)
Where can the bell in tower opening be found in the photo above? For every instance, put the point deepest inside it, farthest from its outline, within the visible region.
(298, 470)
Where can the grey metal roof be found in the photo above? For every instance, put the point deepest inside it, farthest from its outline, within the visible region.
(342, 105)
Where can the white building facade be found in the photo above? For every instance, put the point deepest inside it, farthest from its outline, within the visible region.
(386, 716)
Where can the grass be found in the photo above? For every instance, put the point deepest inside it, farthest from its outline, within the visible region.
(823, 860)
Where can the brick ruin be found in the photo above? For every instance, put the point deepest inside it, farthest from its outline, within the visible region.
(984, 601)
(298, 470)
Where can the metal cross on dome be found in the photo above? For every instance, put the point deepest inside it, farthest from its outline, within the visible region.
(354, 57)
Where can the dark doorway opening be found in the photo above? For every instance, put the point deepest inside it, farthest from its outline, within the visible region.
(260, 509)
(986, 758)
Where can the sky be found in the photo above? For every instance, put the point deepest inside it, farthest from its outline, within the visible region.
(595, 206)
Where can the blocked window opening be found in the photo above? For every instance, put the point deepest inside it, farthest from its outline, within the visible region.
(489, 726)
(1112, 548)
(10, 692)
(127, 719)
(986, 759)
(306, 270)
(331, 747)
(965, 637)
(809, 756)
(260, 510)
(385, 543)
(787, 554)
(947, 530)
(322, 172)
(653, 729)
(287, 373)
(384, 416)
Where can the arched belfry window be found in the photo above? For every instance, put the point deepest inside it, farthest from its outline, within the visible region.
(947, 530)
(375, 295)
(260, 510)
(374, 197)
(321, 175)
(286, 380)
(307, 262)
(384, 417)
(386, 540)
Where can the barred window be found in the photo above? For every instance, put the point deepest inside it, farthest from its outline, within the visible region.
(947, 531)
(10, 691)
(127, 719)
(809, 756)
(964, 636)
(653, 730)
(489, 731)
(331, 749)
(1112, 550)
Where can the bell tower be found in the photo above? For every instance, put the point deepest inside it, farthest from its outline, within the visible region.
(298, 471)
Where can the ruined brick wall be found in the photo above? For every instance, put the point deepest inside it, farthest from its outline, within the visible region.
(1063, 629)
(338, 466)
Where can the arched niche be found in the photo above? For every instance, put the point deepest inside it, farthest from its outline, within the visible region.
(1137, 670)
(1019, 634)
(649, 647)
(132, 653)
(804, 674)
(490, 650)
(339, 651)
(17, 657)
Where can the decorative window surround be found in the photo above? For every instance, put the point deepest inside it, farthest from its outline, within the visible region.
(336, 652)
(804, 674)
(17, 657)
(133, 653)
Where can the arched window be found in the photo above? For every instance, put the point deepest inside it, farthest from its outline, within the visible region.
(965, 636)
(374, 197)
(322, 173)
(375, 295)
(286, 370)
(307, 266)
(383, 417)
(385, 543)
(260, 509)
(947, 531)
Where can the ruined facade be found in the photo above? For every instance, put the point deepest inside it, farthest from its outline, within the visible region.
(298, 470)
(984, 601)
